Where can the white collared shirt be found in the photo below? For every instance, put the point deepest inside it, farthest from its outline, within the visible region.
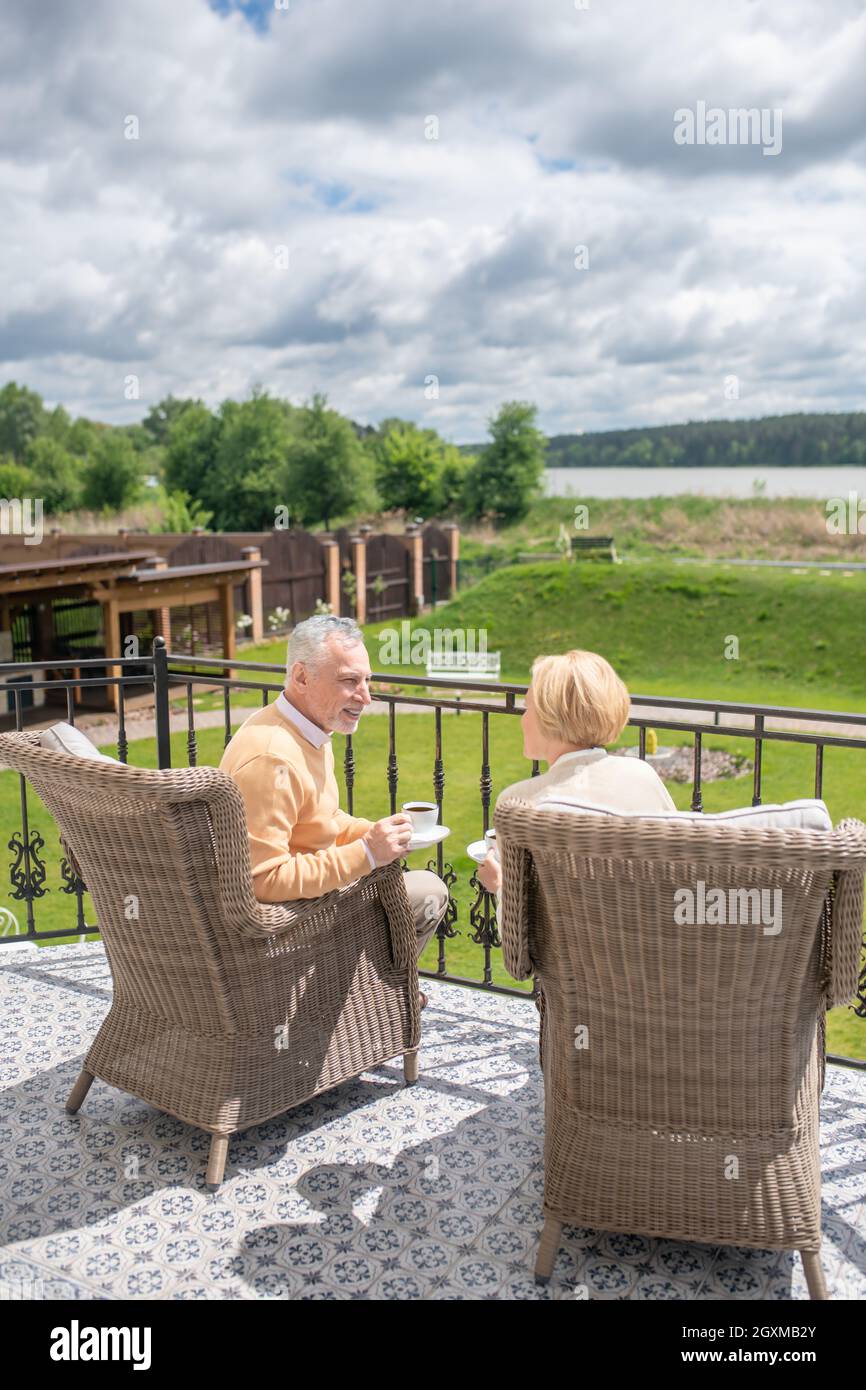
(311, 732)
(314, 735)
(579, 754)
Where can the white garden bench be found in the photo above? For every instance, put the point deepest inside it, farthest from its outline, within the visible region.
(464, 666)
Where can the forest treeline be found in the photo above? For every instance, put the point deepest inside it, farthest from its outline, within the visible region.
(777, 441)
(240, 466)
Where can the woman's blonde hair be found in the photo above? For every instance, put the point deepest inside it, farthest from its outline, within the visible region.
(579, 699)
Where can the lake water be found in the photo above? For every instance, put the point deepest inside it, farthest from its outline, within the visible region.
(713, 482)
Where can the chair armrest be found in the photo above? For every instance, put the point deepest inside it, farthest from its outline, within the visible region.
(401, 920)
(16, 739)
(516, 899)
(226, 834)
(259, 919)
(845, 938)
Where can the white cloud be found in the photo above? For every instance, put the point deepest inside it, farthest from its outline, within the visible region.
(454, 256)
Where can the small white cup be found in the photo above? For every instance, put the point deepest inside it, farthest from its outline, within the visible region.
(423, 815)
(490, 842)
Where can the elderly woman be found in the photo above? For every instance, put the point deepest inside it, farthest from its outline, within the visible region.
(575, 704)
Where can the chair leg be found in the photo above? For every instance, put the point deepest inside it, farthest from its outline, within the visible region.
(216, 1163)
(410, 1067)
(548, 1248)
(814, 1273)
(79, 1091)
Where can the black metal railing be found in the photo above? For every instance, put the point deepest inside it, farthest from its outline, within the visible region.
(164, 675)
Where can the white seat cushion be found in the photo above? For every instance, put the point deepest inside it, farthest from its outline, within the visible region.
(791, 815)
(65, 738)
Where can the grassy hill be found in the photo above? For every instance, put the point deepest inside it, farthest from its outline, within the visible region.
(802, 636)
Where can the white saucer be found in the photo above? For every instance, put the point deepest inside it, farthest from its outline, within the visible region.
(425, 839)
(478, 850)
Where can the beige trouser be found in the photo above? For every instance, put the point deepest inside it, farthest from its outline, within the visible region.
(428, 899)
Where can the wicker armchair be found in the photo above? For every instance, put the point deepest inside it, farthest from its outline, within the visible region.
(682, 1063)
(225, 1011)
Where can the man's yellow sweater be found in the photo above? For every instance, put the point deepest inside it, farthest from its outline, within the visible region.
(301, 843)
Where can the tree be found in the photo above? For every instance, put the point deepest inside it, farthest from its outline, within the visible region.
(408, 465)
(58, 425)
(452, 479)
(112, 474)
(508, 472)
(180, 513)
(191, 448)
(15, 480)
(328, 471)
(246, 480)
(141, 441)
(22, 418)
(83, 436)
(161, 417)
(56, 474)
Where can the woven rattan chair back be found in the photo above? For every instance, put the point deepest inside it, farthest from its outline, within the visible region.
(225, 1010)
(145, 843)
(685, 971)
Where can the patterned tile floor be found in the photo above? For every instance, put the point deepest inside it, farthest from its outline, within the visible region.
(373, 1191)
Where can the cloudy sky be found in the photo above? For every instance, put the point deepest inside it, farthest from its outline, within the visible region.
(286, 216)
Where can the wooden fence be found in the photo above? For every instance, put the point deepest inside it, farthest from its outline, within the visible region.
(396, 569)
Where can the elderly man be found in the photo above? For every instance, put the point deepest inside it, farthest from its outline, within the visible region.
(301, 844)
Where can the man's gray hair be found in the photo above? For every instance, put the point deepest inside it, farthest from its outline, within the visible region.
(308, 640)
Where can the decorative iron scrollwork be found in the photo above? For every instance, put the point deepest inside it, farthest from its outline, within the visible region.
(446, 927)
(860, 1006)
(27, 885)
(482, 916)
(71, 882)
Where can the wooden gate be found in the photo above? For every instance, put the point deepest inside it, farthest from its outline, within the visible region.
(437, 565)
(295, 574)
(389, 588)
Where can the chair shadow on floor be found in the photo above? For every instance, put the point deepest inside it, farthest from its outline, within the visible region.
(453, 1214)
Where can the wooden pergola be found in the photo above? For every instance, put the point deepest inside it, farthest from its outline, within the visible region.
(123, 582)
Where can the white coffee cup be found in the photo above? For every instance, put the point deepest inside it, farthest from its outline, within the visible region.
(423, 815)
(490, 842)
